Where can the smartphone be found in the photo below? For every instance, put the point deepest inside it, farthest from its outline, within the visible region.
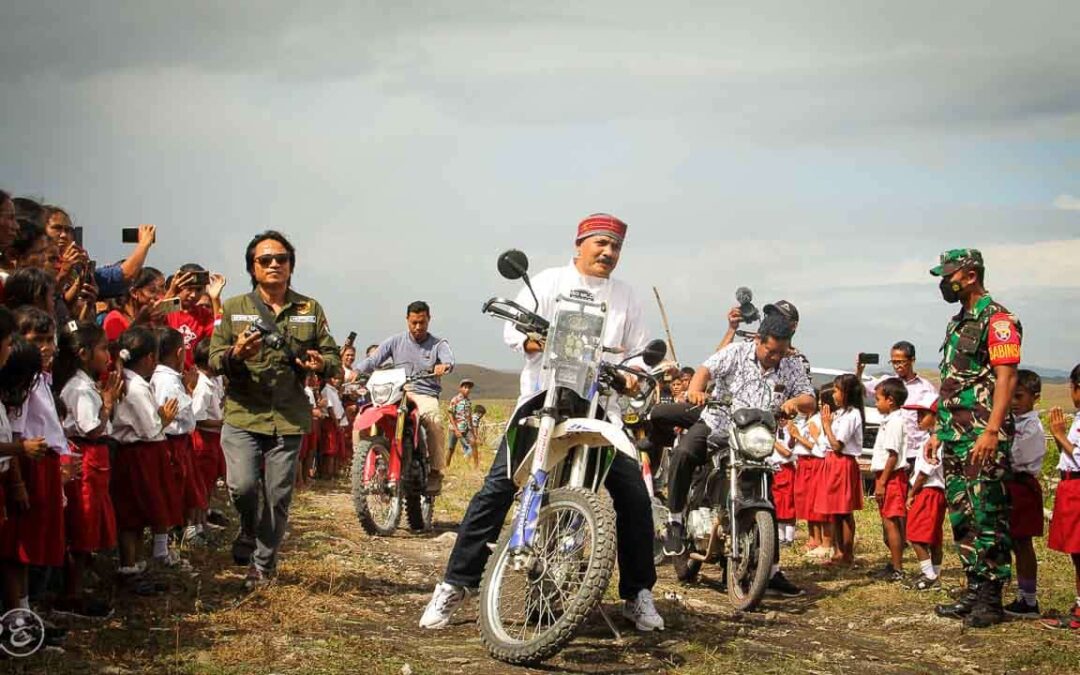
(201, 279)
(169, 305)
(130, 235)
(351, 338)
(869, 359)
(77, 234)
(91, 270)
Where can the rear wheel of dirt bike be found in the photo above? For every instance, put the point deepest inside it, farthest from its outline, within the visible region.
(530, 610)
(377, 500)
(748, 577)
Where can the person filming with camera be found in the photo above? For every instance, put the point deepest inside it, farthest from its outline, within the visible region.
(265, 344)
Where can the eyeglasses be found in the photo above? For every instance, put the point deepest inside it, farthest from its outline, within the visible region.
(265, 260)
(899, 362)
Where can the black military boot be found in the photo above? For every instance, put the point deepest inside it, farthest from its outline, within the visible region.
(963, 606)
(987, 610)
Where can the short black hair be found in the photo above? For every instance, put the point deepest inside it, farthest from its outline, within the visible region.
(18, 375)
(687, 370)
(479, 410)
(169, 342)
(775, 326)
(893, 388)
(273, 235)
(145, 277)
(7, 322)
(201, 353)
(1074, 376)
(29, 231)
(29, 286)
(30, 319)
(1029, 380)
(906, 347)
(30, 209)
(418, 307)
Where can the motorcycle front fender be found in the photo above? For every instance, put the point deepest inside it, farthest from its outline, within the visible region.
(576, 432)
(753, 505)
(372, 415)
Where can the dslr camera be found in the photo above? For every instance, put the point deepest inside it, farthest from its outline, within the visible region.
(271, 338)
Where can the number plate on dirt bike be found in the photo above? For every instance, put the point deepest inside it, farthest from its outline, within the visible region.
(574, 346)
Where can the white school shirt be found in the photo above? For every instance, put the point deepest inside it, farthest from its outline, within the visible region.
(5, 436)
(624, 328)
(1070, 457)
(847, 427)
(890, 437)
(333, 401)
(83, 403)
(918, 388)
(167, 384)
(136, 419)
(1029, 444)
(776, 459)
(802, 423)
(935, 476)
(310, 396)
(206, 400)
(821, 443)
(38, 417)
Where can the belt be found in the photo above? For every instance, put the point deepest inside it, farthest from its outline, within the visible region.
(1070, 475)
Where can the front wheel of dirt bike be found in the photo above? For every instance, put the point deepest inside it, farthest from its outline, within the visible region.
(748, 577)
(377, 500)
(531, 605)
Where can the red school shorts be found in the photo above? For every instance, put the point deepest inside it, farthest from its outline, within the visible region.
(187, 492)
(209, 459)
(1025, 506)
(140, 477)
(36, 536)
(807, 475)
(1065, 525)
(839, 490)
(783, 492)
(926, 516)
(89, 517)
(896, 490)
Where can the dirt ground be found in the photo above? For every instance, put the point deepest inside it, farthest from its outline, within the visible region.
(346, 602)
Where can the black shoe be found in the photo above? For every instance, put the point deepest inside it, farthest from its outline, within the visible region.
(674, 539)
(84, 608)
(886, 573)
(779, 585)
(242, 549)
(1018, 609)
(987, 610)
(963, 606)
(924, 583)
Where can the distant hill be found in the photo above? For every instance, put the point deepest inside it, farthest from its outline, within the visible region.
(489, 383)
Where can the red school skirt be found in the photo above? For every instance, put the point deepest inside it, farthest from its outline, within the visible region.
(1026, 506)
(807, 476)
(346, 444)
(783, 492)
(36, 536)
(209, 459)
(926, 516)
(186, 492)
(140, 477)
(310, 443)
(1065, 525)
(330, 439)
(839, 489)
(896, 491)
(89, 517)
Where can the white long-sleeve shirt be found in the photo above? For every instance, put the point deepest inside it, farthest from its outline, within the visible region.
(624, 327)
(39, 418)
(136, 419)
(168, 384)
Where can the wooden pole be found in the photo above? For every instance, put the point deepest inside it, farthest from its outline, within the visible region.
(667, 327)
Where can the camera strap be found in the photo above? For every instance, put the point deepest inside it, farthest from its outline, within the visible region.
(269, 319)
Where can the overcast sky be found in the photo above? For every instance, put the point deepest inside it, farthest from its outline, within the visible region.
(820, 152)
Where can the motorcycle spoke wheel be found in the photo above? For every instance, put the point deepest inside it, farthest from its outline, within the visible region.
(377, 500)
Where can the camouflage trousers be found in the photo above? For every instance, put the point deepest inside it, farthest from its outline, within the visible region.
(978, 504)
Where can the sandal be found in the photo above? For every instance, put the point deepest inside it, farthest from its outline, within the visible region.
(1069, 621)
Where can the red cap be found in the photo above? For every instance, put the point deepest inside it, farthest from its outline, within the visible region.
(601, 223)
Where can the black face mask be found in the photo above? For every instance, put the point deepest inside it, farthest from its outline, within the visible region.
(950, 290)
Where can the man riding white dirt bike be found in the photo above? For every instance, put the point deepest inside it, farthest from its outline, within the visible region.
(587, 283)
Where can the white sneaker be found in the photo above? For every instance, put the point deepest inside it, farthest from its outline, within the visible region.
(444, 602)
(643, 612)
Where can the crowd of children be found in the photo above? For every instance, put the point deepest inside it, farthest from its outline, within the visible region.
(817, 481)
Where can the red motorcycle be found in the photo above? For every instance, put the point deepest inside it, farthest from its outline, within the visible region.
(390, 462)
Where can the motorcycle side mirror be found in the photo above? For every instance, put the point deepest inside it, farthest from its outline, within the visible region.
(654, 352)
(513, 265)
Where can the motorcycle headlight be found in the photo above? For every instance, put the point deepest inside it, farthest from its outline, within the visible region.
(755, 442)
(382, 393)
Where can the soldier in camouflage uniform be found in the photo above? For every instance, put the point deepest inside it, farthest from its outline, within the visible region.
(974, 432)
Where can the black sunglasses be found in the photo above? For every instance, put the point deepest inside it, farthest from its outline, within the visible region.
(265, 260)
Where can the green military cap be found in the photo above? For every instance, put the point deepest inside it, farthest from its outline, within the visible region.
(957, 259)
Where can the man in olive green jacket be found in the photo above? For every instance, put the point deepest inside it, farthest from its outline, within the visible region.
(264, 345)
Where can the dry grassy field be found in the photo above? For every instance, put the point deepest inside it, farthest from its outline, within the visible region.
(346, 602)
